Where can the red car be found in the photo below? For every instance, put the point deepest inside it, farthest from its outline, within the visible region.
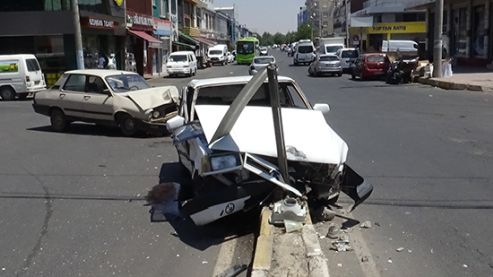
(370, 65)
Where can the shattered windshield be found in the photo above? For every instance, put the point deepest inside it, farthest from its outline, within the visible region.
(126, 82)
(224, 95)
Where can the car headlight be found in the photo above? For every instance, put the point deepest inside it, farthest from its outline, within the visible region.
(224, 162)
(155, 114)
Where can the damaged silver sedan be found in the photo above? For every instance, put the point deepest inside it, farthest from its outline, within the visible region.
(227, 138)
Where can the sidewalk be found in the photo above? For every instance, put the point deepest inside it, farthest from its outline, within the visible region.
(474, 79)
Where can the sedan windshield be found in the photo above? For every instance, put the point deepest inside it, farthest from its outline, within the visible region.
(332, 49)
(215, 52)
(349, 54)
(265, 60)
(126, 82)
(178, 58)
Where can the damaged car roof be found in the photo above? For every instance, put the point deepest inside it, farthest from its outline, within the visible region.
(229, 80)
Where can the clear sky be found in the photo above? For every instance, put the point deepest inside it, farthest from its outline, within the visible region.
(266, 15)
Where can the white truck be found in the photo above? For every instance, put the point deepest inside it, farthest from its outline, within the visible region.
(218, 54)
(331, 45)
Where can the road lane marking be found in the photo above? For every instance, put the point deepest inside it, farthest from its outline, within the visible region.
(225, 257)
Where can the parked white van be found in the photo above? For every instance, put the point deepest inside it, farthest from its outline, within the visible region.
(182, 63)
(304, 53)
(218, 54)
(401, 45)
(20, 75)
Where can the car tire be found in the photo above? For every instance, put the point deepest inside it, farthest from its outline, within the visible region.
(361, 76)
(7, 94)
(58, 120)
(339, 74)
(353, 76)
(127, 125)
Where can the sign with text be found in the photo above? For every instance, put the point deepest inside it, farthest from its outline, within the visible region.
(140, 21)
(98, 23)
(397, 28)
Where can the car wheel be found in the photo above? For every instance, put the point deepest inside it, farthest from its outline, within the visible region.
(339, 74)
(128, 125)
(361, 76)
(353, 76)
(58, 120)
(7, 94)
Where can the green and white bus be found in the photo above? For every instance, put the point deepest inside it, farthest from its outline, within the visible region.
(246, 49)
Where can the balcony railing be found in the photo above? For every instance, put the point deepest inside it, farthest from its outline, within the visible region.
(191, 31)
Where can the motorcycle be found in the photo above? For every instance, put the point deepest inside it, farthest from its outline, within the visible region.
(401, 71)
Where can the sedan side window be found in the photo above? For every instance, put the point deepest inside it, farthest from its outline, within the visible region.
(76, 82)
(95, 85)
(293, 98)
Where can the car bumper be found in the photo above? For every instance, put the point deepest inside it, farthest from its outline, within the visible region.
(35, 88)
(41, 109)
(330, 69)
(178, 70)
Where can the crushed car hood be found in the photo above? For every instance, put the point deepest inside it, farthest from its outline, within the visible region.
(307, 135)
(153, 97)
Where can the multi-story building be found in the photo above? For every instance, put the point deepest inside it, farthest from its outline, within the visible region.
(229, 16)
(386, 20)
(467, 30)
(320, 16)
(302, 16)
(342, 15)
(46, 29)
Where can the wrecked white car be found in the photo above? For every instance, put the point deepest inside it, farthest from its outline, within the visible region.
(226, 138)
(107, 97)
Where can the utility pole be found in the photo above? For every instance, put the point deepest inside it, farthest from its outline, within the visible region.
(79, 52)
(347, 12)
(437, 46)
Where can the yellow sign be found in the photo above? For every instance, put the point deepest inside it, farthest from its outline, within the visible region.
(397, 28)
(119, 2)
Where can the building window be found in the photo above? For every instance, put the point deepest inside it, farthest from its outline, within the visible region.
(164, 9)
(478, 33)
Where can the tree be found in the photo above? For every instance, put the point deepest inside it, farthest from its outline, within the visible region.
(266, 39)
(304, 32)
(278, 38)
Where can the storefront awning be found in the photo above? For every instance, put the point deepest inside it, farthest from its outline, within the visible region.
(188, 39)
(153, 42)
(185, 45)
(205, 41)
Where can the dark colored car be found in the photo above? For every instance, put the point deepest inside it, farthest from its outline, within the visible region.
(370, 65)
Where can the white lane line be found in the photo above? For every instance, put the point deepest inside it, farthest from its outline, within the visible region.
(225, 257)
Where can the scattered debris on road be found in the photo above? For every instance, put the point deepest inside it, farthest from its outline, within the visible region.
(324, 214)
(400, 249)
(333, 231)
(366, 225)
(364, 259)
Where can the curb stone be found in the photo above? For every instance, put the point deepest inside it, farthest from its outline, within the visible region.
(453, 86)
(262, 260)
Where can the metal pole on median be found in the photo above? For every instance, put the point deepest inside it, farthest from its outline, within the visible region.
(79, 53)
(277, 117)
(437, 46)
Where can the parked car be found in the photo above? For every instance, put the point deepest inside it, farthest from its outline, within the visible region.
(347, 57)
(304, 54)
(20, 75)
(218, 54)
(330, 48)
(260, 62)
(108, 97)
(324, 64)
(182, 63)
(370, 65)
(264, 51)
(232, 159)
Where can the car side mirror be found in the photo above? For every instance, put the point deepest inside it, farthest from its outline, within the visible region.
(175, 123)
(324, 108)
(106, 91)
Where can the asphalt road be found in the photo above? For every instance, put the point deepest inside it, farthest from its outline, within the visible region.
(72, 203)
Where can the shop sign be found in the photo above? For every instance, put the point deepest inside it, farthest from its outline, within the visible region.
(142, 20)
(398, 28)
(119, 3)
(97, 23)
(162, 27)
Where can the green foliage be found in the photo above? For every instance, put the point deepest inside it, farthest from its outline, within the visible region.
(304, 32)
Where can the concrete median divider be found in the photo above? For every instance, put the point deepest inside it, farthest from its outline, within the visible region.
(278, 253)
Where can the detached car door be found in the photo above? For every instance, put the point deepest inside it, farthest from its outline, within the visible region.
(97, 100)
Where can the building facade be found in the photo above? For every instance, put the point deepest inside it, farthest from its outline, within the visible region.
(47, 30)
(386, 20)
(320, 16)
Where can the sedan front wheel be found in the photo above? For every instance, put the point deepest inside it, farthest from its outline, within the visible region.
(128, 125)
(58, 120)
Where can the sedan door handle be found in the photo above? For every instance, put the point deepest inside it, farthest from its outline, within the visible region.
(87, 97)
(61, 95)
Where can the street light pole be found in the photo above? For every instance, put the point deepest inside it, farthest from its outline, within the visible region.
(437, 46)
(79, 52)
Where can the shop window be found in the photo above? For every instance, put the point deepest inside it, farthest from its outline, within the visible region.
(478, 33)
(92, 5)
